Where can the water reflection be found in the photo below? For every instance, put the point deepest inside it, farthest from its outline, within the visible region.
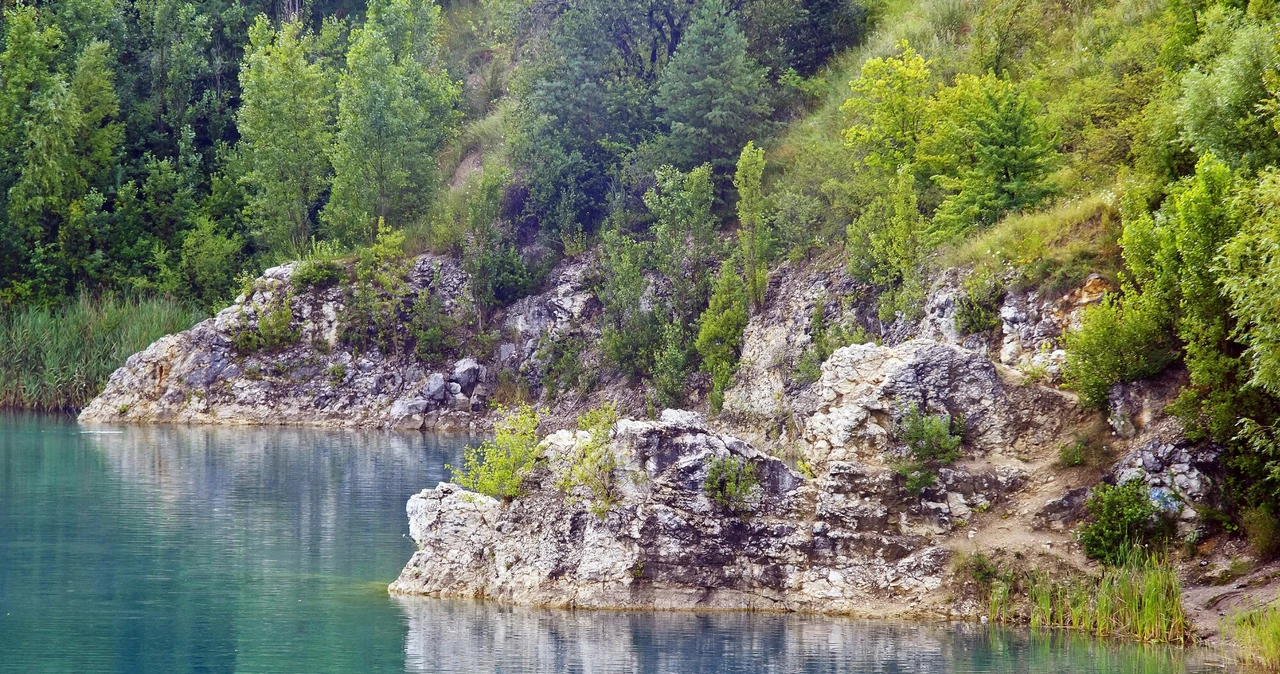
(189, 549)
(457, 636)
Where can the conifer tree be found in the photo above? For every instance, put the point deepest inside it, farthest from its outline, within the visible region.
(710, 91)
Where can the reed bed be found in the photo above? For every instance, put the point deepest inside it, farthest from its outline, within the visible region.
(1257, 632)
(1140, 599)
(60, 358)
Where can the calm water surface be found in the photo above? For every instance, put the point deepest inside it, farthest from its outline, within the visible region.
(233, 550)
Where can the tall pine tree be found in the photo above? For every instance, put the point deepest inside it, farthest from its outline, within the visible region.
(710, 93)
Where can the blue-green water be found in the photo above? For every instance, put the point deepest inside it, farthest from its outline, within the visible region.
(247, 550)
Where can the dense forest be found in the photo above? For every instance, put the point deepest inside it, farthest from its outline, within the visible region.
(170, 150)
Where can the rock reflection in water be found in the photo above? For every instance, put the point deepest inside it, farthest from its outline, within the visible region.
(475, 637)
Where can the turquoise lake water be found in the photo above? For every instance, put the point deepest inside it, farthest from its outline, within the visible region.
(174, 549)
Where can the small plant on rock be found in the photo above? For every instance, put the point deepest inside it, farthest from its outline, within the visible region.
(733, 483)
(317, 274)
(931, 442)
(498, 467)
(594, 464)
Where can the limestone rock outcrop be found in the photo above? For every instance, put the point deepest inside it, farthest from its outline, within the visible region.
(867, 388)
(838, 542)
(315, 378)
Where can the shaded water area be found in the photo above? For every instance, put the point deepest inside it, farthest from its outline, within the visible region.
(175, 549)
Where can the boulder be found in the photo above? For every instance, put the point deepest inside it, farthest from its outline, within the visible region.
(866, 389)
(466, 373)
(435, 387)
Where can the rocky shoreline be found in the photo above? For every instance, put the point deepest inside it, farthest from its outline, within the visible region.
(832, 529)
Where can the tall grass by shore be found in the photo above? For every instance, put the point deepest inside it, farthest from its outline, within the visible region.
(1140, 599)
(1257, 633)
(60, 358)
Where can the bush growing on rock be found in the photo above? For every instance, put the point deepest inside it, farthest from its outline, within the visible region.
(733, 483)
(931, 442)
(1120, 518)
(1118, 341)
(316, 274)
(498, 467)
(594, 464)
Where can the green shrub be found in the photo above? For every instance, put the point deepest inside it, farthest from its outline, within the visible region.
(732, 482)
(498, 467)
(671, 366)
(594, 464)
(337, 374)
(275, 324)
(1073, 454)
(931, 442)
(1263, 531)
(564, 365)
(825, 340)
(1118, 341)
(318, 274)
(1121, 518)
(432, 329)
(978, 307)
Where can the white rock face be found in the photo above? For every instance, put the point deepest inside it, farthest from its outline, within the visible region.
(834, 543)
(866, 388)
(199, 376)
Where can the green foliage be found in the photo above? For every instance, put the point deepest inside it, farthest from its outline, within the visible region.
(1262, 529)
(825, 339)
(498, 467)
(275, 324)
(890, 105)
(733, 482)
(1257, 631)
(1119, 340)
(373, 313)
(395, 113)
(671, 366)
(499, 275)
(931, 442)
(337, 374)
(59, 358)
(432, 329)
(720, 329)
(684, 235)
(993, 152)
(753, 232)
(1121, 518)
(1218, 110)
(209, 262)
(565, 369)
(1250, 277)
(1139, 598)
(316, 274)
(709, 92)
(593, 463)
(885, 248)
(631, 332)
(285, 122)
(978, 308)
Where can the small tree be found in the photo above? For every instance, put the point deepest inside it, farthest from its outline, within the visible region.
(996, 150)
(498, 467)
(720, 331)
(732, 482)
(753, 233)
(930, 443)
(890, 105)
